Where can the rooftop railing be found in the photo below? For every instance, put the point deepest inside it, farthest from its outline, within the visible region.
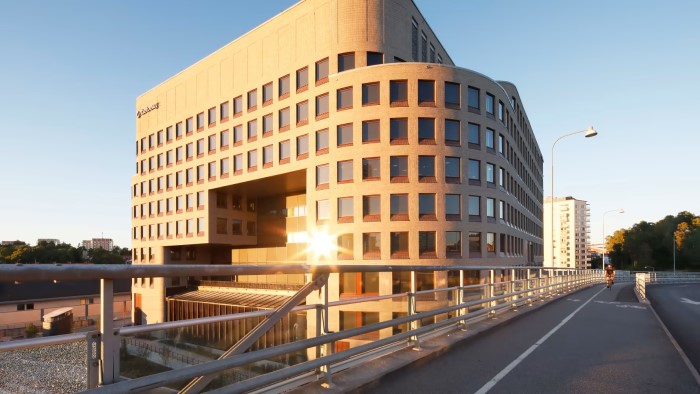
(269, 350)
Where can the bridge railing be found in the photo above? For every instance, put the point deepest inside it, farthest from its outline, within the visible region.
(643, 279)
(289, 354)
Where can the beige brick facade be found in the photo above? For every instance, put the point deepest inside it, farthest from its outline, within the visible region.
(264, 211)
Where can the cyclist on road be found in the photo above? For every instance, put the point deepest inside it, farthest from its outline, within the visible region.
(609, 275)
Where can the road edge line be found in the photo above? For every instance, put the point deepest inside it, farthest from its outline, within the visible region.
(675, 344)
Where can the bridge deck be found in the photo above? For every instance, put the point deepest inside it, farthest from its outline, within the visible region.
(593, 341)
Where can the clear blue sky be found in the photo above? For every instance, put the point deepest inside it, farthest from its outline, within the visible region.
(71, 71)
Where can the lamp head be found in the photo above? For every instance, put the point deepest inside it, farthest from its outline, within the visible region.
(622, 210)
(590, 132)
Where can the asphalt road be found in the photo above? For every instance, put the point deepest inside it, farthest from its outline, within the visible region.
(678, 306)
(593, 341)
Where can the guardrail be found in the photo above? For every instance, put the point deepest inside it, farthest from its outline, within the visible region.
(286, 357)
(643, 279)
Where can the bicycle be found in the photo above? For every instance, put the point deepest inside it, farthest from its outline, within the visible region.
(609, 281)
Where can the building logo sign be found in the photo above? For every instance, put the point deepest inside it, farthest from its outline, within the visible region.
(146, 110)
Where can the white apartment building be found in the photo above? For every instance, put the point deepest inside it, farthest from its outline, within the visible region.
(571, 234)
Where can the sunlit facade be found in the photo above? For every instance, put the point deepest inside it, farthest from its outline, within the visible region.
(571, 233)
(338, 124)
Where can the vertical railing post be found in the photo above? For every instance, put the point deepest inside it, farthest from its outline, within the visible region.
(528, 287)
(319, 332)
(93, 359)
(328, 348)
(413, 341)
(513, 297)
(492, 282)
(109, 349)
(460, 300)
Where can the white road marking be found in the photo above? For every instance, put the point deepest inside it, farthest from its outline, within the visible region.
(631, 306)
(687, 301)
(573, 299)
(608, 302)
(489, 385)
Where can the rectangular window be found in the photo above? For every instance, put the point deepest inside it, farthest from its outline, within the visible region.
(452, 169)
(302, 145)
(374, 58)
(371, 249)
(250, 206)
(473, 134)
(501, 144)
(189, 150)
(345, 134)
(236, 227)
(302, 113)
(474, 244)
(212, 169)
(237, 105)
(200, 146)
(344, 98)
(211, 115)
(426, 92)
(452, 132)
(426, 130)
(474, 206)
(223, 111)
(399, 207)
(267, 93)
(426, 168)
(322, 105)
(200, 120)
(370, 93)
(322, 141)
(267, 156)
(426, 206)
(238, 163)
(501, 111)
(211, 143)
(223, 165)
(473, 98)
(490, 173)
(223, 139)
(200, 173)
(490, 207)
(370, 168)
(345, 171)
(371, 208)
(398, 93)
(399, 245)
(370, 131)
(252, 129)
(501, 209)
(414, 40)
(284, 87)
(346, 61)
(284, 119)
(453, 207)
(236, 202)
(345, 247)
(453, 243)
(426, 244)
(474, 169)
(252, 159)
(424, 47)
(345, 209)
(322, 175)
(238, 134)
(178, 130)
(398, 133)
(452, 95)
(267, 124)
(302, 78)
(489, 138)
(252, 99)
(491, 242)
(321, 71)
(285, 151)
(489, 104)
(169, 134)
(323, 210)
(398, 166)
(159, 138)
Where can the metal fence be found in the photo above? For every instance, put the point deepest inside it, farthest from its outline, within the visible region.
(643, 279)
(175, 356)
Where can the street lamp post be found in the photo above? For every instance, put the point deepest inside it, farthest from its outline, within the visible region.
(620, 210)
(590, 132)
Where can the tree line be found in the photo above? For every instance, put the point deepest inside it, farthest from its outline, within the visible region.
(62, 253)
(650, 246)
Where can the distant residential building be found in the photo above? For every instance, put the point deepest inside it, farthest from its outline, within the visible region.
(48, 241)
(6, 243)
(571, 233)
(101, 243)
